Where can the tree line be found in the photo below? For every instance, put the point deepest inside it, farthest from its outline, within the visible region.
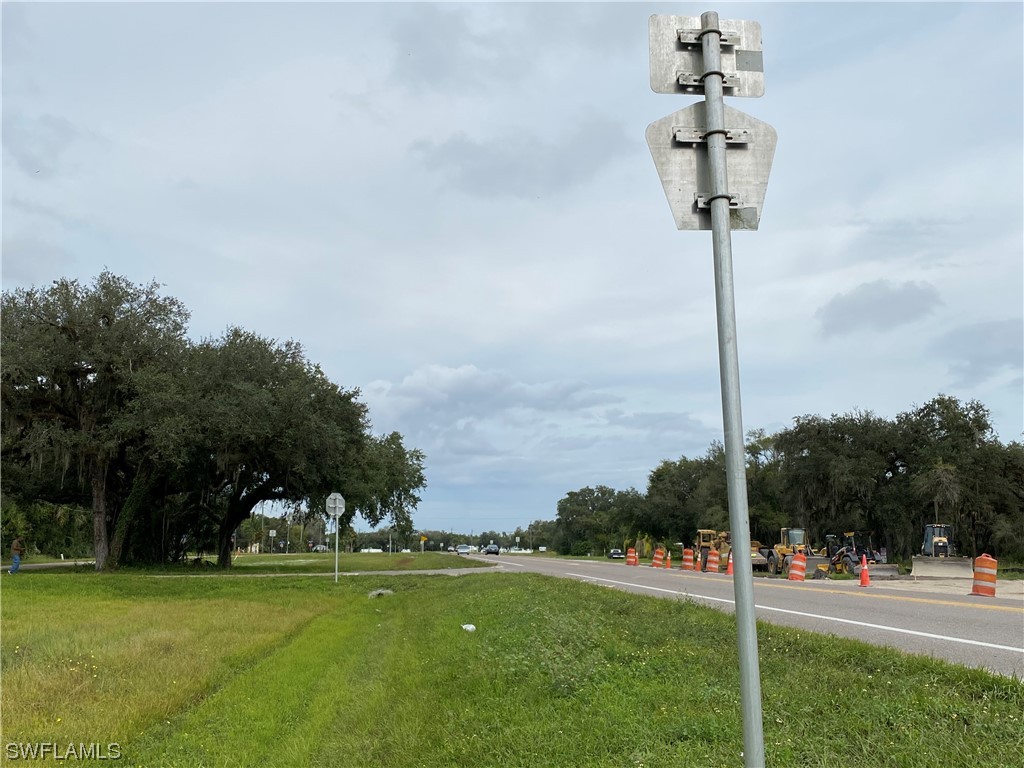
(940, 462)
(170, 444)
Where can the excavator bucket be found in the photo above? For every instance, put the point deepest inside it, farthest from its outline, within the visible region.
(940, 568)
(816, 562)
(880, 571)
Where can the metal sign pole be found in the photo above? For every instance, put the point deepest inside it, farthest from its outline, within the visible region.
(336, 508)
(728, 357)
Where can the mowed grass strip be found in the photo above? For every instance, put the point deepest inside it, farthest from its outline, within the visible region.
(323, 562)
(556, 673)
(87, 657)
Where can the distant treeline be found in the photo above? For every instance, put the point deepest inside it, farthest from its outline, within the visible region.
(940, 462)
(123, 439)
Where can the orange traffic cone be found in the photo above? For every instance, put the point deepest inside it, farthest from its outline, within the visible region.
(728, 568)
(865, 579)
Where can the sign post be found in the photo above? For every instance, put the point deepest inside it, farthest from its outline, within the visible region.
(695, 151)
(336, 508)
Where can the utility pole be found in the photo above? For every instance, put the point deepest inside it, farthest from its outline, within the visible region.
(699, 151)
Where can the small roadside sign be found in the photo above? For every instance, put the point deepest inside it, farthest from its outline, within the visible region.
(335, 505)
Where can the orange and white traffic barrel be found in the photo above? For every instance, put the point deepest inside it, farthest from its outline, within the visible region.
(687, 559)
(659, 558)
(631, 558)
(798, 567)
(712, 566)
(985, 570)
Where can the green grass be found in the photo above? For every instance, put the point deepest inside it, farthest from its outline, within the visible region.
(323, 562)
(301, 671)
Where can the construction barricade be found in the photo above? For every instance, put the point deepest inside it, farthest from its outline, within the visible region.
(668, 559)
(728, 567)
(687, 559)
(985, 571)
(865, 577)
(712, 565)
(659, 558)
(631, 558)
(798, 567)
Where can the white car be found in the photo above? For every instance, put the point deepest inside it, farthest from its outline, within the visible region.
(463, 549)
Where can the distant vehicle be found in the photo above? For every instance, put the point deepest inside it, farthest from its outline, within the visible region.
(451, 549)
(406, 550)
(492, 549)
(616, 554)
(463, 549)
(321, 548)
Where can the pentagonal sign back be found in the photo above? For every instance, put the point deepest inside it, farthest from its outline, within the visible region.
(680, 153)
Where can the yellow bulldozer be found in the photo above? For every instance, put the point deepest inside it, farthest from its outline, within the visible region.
(709, 539)
(792, 541)
(721, 541)
(938, 556)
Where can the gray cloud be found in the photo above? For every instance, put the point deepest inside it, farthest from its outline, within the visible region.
(877, 306)
(524, 165)
(36, 144)
(980, 351)
(660, 422)
(904, 238)
(441, 394)
(441, 48)
(437, 48)
(30, 260)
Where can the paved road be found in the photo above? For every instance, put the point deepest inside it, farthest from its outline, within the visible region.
(939, 618)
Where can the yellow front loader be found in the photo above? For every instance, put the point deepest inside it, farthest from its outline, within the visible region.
(845, 555)
(792, 541)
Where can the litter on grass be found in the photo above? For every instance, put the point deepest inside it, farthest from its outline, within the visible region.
(469, 627)
(380, 593)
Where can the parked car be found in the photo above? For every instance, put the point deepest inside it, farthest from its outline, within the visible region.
(492, 549)
(463, 549)
(616, 554)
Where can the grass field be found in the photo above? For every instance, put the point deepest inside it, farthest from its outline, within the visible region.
(300, 671)
(361, 562)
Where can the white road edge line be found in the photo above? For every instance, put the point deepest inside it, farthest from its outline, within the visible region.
(883, 627)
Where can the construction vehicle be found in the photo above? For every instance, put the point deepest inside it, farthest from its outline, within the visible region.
(938, 541)
(758, 562)
(707, 540)
(721, 542)
(844, 555)
(938, 556)
(792, 541)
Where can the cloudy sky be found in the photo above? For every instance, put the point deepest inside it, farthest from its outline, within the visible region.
(453, 207)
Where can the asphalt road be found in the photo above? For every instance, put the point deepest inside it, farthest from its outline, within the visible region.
(937, 618)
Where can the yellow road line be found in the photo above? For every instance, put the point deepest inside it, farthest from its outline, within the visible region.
(876, 595)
